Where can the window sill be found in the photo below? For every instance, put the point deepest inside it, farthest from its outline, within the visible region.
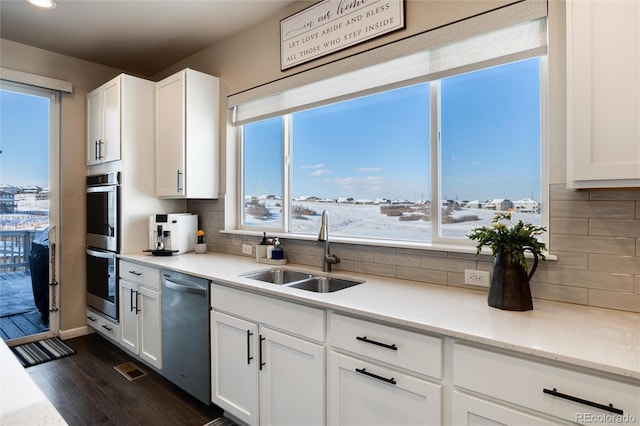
(438, 247)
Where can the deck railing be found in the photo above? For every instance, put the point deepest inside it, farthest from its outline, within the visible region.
(15, 247)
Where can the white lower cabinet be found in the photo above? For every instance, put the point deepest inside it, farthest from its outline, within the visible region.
(140, 306)
(471, 411)
(547, 391)
(103, 325)
(261, 375)
(363, 393)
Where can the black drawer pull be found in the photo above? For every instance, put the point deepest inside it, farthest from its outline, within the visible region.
(135, 273)
(261, 364)
(92, 319)
(373, 342)
(249, 357)
(609, 407)
(106, 327)
(375, 376)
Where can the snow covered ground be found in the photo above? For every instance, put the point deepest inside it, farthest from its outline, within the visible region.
(25, 219)
(367, 221)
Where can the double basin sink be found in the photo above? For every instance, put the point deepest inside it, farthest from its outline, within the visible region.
(301, 280)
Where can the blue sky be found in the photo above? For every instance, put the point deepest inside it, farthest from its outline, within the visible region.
(490, 142)
(24, 139)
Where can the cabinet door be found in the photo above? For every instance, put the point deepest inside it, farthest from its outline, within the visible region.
(170, 136)
(291, 380)
(362, 393)
(129, 337)
(94, 125)
(234, 369)
(471, 411)
(603, 93)
(109, 150)
(150, 321)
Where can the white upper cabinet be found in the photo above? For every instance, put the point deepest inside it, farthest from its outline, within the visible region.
(103, 112)
(603, 93)
(187, 135)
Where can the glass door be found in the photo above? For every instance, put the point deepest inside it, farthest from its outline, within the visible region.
(29, 126)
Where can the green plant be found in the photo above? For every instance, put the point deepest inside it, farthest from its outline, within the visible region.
(513, 238)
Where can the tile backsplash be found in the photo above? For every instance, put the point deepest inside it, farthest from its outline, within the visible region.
(594, 234)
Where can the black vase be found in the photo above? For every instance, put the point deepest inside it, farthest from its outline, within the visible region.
(510, 284)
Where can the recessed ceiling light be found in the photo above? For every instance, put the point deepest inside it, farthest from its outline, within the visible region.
(45, 4)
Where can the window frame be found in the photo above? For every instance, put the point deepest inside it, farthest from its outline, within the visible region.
(437, 242)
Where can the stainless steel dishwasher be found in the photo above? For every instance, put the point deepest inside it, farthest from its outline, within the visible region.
(185, 333)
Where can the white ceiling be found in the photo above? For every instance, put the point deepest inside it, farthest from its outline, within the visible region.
(141, 37)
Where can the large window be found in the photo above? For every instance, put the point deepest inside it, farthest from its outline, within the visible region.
(421, 163)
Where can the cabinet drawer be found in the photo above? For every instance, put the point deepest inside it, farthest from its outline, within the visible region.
(523, 382)
(304, 321)
(104, 326)
(140, 274)
(406, 349)
(364, 393)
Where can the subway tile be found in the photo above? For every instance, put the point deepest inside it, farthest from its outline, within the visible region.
(375, 269)
(422, 275)
(637, 209)
(356, 255)
(567, 260)
(637, 290)
(608, 195)
(412, 261)
(592, 209)
(455, 279)
(591, 279)
(344, 265)
(614, 300)
(604, 245)
(449, 265)
(560, 191)
(569, 226)
(614, 227)
(560, 293)
(618, 264)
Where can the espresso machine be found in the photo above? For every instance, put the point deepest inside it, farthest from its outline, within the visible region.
(173, 233)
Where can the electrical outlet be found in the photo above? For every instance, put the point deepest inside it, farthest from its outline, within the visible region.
(477, 278)
(246, 249)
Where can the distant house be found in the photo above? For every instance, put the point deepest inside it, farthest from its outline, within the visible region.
(8, 203)
(498, 204)
(475, 204)
(527, 205)
(31, 189)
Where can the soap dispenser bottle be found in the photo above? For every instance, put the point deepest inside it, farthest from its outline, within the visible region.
(277, 252)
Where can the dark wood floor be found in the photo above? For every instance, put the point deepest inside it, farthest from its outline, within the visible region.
(87, 390)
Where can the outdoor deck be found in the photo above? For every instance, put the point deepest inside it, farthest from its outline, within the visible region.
(18, 313)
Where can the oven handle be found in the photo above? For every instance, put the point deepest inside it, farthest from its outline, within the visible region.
(102, 188)
(102, 254)
(186, 288)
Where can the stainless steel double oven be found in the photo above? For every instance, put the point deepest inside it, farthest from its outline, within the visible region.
(103, 242)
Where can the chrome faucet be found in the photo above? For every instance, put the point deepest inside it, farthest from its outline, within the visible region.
(328, 259)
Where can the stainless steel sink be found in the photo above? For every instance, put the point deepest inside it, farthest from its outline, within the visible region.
(324, 284)
(302, 280)
(278, 276)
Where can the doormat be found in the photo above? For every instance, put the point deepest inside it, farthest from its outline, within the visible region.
(221, 421)
(130, 371)
(35, 353)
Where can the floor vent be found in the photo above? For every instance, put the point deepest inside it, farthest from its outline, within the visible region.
(130, 371)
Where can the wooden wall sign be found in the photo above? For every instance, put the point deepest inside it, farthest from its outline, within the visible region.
(332, 25)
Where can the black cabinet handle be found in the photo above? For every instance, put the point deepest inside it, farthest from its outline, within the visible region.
(106, 327)
(137, 294)
(92, 319)
(249, 357)
(375, 376)
(130, 300)
(262, 339)
(135, 273)
(609, 407)
(393, 347)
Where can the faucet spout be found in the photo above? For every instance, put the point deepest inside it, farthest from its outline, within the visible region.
(328, 259)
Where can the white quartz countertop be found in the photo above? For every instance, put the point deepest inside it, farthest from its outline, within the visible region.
(21, 400)
(602, 339)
